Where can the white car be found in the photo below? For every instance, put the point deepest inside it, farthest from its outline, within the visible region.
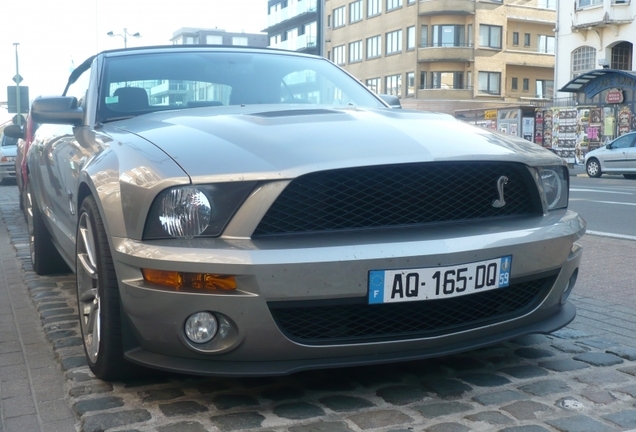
(8, 147)
(617, 157)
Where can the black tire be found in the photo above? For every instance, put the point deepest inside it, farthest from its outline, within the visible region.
(593, 168)
(630, 176)
(98, 298)
(44, 256)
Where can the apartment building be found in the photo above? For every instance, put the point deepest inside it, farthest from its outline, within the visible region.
(295, 25)
(447, 55)
(198, 36)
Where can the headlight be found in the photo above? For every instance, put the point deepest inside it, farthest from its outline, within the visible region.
(555, 185)
(191, 211)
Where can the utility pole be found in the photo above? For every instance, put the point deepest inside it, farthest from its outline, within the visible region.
(17, 80)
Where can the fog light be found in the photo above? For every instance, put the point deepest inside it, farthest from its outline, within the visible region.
(201, 327)
(569, 287)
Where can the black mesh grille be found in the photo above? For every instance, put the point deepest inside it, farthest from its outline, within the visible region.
(354, 323)
(394, 195)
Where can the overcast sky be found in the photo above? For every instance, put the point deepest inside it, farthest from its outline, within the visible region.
(54, 34)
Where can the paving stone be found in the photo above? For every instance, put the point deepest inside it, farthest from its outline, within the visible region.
(185, 426)
(227, 401)
(380, 419)
(402, 395)
(525, 410)
(485, 379)
(78, 376)
(461, 363)
(439, 409)
(570, 333)
(182, 408)
(238, 421)
(331, 385)
(74, 362)
(99, 404)
(211, 387)
(49, 306)
(627, 353)
(598, 343)
(569, 347)
(563, 365)
(525, 371)
(283, 393)
(161, 394)
(92, 388)
(625, 419)
(447, 387)
(60, 334)
(447, 427)
(600, 397)
(500, 397)
(340, 403)
(533, 353)
(599, 378)
(628, 370)
(546, 387)
(68, 342)
(322, 427)
(630, 390)
(298, 410)
(490, 417)
(599, 359)
(103, 421)
(570, 404)
(56, 312)
(525, 428)
(578, 423)
(532, 339)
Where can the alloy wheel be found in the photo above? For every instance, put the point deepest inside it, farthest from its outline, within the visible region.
(88, 287)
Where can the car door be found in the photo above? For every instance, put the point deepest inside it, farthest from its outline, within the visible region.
(615, 156)
(630, 159)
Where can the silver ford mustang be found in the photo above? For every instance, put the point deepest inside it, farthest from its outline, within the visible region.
(234, 211)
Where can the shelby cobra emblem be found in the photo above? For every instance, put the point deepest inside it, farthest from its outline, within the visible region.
(500, 202)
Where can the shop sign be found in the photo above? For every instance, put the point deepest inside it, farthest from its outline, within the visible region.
(614, 96)
(490, 114)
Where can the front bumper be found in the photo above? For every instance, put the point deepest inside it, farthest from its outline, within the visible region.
(329, 268)
(7, 170)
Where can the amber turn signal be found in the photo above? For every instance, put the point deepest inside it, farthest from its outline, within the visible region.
(178, 280)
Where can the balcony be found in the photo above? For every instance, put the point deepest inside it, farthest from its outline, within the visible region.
(446, 53)
(529, 58)
(297, 9)
(600, 16)
(446, 7)
(301, 42)
(444, 93)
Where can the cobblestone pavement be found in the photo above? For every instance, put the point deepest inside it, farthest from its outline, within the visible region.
(579, 379)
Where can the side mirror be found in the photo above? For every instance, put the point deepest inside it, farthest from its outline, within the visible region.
(57, 110)
(391, 100)
(14, 131)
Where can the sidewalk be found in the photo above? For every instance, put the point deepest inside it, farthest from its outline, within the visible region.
(32, 386)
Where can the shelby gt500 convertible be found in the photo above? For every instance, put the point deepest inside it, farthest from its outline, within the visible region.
(235, 211)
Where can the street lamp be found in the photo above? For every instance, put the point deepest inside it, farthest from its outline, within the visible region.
(17, 80)
(124, 35)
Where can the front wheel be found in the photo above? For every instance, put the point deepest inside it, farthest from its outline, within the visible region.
(593, 168)
(98, 297)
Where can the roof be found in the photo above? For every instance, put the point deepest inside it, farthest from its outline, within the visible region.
(593, 82)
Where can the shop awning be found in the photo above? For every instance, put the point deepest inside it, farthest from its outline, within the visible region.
(593, 82)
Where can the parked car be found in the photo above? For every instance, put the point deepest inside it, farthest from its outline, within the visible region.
(236, 211)
(24, 135)
(7, 158)
(617, 157)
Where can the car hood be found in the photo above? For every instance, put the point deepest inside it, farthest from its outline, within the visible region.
(267, 142)
(9, 150)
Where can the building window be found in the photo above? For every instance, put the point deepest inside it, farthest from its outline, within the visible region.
(424, 36)
(339, 55)
(394, 42)
(469, 36)
(585, 3)
(373, 84)
(239, 40)
(374, 7)
(526, 39)
(410, 83)
(515, 85)
(410, 38)
(393, 4)
(422, 80)
(447, 80)
(545, 89)
(339, 17)
(622, 56)
(355, 51)
(410, 2)
(448, 35)
(490, 36)
(515, 38)
(355, 11)
(214, 40)
(374, 49)
(547, 4)
(526, 84)
(394, 85)
(489, 82)
(583, 60)
(545, 44)
(188, 40)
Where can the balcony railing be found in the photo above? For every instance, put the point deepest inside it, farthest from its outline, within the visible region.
(297, 9)
(446, 52)
(296, 44)
(447, 7)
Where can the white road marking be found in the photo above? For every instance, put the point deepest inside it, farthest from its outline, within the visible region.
(612, 235)
(600, 191)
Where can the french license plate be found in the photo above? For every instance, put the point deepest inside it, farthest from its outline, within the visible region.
(391, 286)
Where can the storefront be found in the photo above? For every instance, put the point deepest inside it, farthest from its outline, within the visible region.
(517, 121)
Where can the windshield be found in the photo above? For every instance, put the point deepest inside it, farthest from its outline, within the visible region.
(8, 141)
(142, 83)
